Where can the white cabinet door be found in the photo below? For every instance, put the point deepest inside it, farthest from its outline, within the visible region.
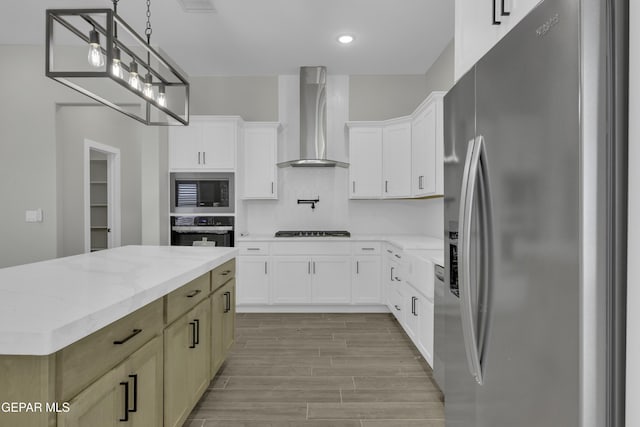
(411, 320)
(365, 162)
(291, 283)
(395, 303)
(424, 309)
(479, 25)
(424, 139)
(259, 154)
(396, 160)
(184, 146)
(366, 283)
(331, 283)
(253, 280)
(219, 144)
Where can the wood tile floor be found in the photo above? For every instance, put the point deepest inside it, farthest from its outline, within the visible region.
(321, 370)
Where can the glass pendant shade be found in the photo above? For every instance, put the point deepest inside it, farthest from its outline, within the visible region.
(148, 87)
(134, 78)
(95, 56)
(162, 97)
(116, 65)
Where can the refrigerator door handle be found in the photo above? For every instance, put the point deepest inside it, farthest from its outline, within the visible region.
(475, 150)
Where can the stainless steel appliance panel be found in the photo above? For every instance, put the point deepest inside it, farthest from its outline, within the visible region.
(459, 129)
(527, 113)
(202, 192)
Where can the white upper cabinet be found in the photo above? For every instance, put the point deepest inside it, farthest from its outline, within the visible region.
(396, 164)
(427, 148)
(398, 158)
(258, 161)
(207, 144)
(480, 24)
(365, 168)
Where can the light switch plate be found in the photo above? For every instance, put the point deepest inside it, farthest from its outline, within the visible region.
(34, 215)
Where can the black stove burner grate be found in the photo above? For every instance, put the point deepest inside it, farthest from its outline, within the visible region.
(313, 233)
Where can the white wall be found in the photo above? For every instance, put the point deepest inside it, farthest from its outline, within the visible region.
(633, 274)
(330, 185)
(30, 166)
(74, 124)
(374, 97)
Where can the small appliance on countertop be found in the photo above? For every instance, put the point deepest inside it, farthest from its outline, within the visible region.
(312, 233)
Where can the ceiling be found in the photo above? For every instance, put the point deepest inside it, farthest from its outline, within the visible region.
(271, 37)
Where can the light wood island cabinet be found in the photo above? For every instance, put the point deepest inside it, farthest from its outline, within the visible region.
(149, 368)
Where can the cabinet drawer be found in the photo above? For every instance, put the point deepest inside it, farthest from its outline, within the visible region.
(366, 248)
(257, 248)
(183, 299)
(311, 248)
(83, 362)
(223, 274)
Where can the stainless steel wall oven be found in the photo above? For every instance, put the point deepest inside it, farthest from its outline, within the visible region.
(202, 231)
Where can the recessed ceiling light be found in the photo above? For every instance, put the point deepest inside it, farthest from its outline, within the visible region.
(346, 39)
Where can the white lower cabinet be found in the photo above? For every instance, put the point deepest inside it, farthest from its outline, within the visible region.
(366, 284)
(253, 279)
(328, 273)
(411, 318)
(331, 280)
(291, 280)
(424, 311)
(306, 280)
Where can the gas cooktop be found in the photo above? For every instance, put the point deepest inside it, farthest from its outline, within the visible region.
(313, 233)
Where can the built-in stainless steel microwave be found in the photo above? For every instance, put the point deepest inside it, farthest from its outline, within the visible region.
(202, 192)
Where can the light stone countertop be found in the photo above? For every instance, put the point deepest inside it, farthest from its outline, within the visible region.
(402, 241)
(48, 305)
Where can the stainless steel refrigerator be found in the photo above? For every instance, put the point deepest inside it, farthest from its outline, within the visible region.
(535, 224)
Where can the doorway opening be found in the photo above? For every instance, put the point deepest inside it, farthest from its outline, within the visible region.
(101, 196)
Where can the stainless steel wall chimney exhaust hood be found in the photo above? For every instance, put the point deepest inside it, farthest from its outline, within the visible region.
(313, 121)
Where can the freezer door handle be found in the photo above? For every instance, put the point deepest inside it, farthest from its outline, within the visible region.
(475, 178)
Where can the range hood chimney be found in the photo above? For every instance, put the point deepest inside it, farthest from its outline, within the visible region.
(313, 121)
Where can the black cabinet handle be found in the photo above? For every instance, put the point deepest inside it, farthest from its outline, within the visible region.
(197, 337)
(125, 384)
(194, 293)
(495, 20)
(397, 308)
(193, 334)
(357, 267)
(134, 332)
(386, 186)
(413, 306)
(227, 302)
(134, 377)
(397, 256)
(354, 186)
(503, 12)
(392, 273)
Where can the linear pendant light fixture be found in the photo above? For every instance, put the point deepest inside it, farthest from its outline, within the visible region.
(120, 70)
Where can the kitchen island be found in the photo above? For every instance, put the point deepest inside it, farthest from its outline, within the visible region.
(134, 333)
